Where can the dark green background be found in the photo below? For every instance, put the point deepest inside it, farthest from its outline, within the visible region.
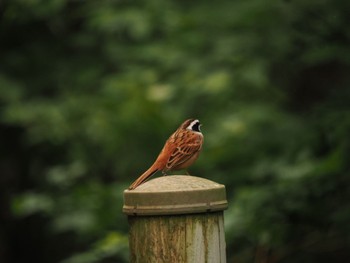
(90, 90)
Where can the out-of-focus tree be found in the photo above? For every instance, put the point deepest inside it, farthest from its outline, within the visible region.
(90, 90)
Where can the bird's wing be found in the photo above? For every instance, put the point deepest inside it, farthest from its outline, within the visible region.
(182, 153)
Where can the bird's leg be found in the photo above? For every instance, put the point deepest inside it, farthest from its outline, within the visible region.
(164, 173)
(187, 172)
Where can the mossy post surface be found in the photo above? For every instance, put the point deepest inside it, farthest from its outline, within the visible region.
(176, 218)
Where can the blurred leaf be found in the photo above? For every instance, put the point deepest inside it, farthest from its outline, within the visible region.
(113, 246)
(31, 203)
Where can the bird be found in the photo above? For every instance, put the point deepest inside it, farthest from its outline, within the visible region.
(179, 152)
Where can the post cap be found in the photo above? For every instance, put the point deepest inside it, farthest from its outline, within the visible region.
(175, 194)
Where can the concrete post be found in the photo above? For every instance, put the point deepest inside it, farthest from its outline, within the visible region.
(176, 218)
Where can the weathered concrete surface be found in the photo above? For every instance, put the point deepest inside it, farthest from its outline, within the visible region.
(176, 219)
(193, 238)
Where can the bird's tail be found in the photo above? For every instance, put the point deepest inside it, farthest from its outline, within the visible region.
(151, 171)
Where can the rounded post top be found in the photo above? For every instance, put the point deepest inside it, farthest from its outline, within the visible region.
(175, 194)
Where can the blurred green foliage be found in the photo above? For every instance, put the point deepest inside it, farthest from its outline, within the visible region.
(90, 90)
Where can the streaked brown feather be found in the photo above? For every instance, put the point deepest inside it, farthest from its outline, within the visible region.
(181, 154)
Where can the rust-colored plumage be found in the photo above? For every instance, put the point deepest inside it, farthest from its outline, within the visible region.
(180, 151)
